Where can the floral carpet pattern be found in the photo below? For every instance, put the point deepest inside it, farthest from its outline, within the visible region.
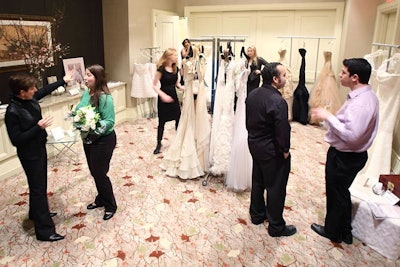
(164, 221)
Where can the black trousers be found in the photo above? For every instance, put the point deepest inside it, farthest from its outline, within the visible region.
(340, 170)
(36, 173)
(161, 126)
(270, 175)
(98, 156)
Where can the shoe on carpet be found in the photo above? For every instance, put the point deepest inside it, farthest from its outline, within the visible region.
(52, 238)
(319, 229)
(287, 231)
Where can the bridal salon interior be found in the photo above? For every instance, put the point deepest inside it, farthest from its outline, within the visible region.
(168, 216)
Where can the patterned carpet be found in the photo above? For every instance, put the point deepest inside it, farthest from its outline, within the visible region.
(163, 221)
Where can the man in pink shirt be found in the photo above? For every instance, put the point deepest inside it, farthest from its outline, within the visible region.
(350, 133)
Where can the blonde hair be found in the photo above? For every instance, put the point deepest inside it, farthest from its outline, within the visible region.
(162, 62)
(254, 52)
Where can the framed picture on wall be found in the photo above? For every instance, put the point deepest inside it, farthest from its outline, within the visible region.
(76, 67)
(19, 32)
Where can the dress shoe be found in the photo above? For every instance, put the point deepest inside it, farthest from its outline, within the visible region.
(347, 238)
(319, 229)
(108, 215)
(287, 231)
(54, 237)
(52, 214)
(93, 206)
(258, 221)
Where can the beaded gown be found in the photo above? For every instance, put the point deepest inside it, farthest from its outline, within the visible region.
(222, 122)
(238, 177)
(325, 92)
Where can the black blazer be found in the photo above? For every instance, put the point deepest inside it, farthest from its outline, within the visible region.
(21, 120)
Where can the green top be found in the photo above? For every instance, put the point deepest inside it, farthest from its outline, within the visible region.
(105, 109)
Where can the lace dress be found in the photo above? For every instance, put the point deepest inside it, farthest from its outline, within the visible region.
(238, 177)
(222, 122)
(180, 160)
(202, 122)
(325, 92)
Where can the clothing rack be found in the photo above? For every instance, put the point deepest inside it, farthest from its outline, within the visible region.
(306, 37)
(391, 46)
(151, 52)
(216, 41)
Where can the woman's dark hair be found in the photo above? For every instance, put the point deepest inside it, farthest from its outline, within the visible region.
(184, 40)
(269, 72)
(359, 66)
(100, 84)
(21, 81)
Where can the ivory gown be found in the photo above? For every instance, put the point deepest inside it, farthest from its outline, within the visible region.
(222, 122)
(287, 90)
(325, 92)
(181, 159)
(241, 163)
(387, 87)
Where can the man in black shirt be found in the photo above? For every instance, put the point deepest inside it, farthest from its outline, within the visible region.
(269, 142)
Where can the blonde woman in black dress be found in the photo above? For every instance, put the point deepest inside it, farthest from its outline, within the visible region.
(165, 82)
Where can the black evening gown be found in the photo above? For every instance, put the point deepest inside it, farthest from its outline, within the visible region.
(301, 95)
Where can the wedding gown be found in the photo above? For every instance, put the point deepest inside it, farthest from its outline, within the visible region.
(239, 173)
(325, 92)
(287, 90)
(181, 159)
(388, 91)
(222, 122)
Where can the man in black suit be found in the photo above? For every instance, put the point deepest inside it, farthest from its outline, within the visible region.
(269, 142)
(27, 131)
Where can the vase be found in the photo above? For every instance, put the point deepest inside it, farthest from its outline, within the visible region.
(39, 83)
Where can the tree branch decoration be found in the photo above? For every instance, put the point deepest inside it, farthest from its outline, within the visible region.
(35, 44)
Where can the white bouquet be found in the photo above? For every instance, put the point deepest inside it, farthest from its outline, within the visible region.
(85, 119)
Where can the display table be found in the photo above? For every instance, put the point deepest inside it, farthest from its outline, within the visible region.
(63, 147)
(381, 235)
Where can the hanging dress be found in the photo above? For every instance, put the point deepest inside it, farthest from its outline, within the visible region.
(301, 95)
(222, 122)
(388, 92)
(202, 128)
(142, 80)
(325, 92)
(287, 90)
(239, 173)
(180, 160)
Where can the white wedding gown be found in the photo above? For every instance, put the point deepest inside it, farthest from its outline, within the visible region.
(387, 82)
(181, 159)
(239, 173)
(222, 122)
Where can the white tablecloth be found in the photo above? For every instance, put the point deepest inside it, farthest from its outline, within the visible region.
(381, 235)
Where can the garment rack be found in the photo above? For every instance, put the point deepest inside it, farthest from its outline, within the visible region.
(151, 52)
(306, 37)
(216, 41)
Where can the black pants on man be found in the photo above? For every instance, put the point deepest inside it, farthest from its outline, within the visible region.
(271, 175)
(340, 170)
